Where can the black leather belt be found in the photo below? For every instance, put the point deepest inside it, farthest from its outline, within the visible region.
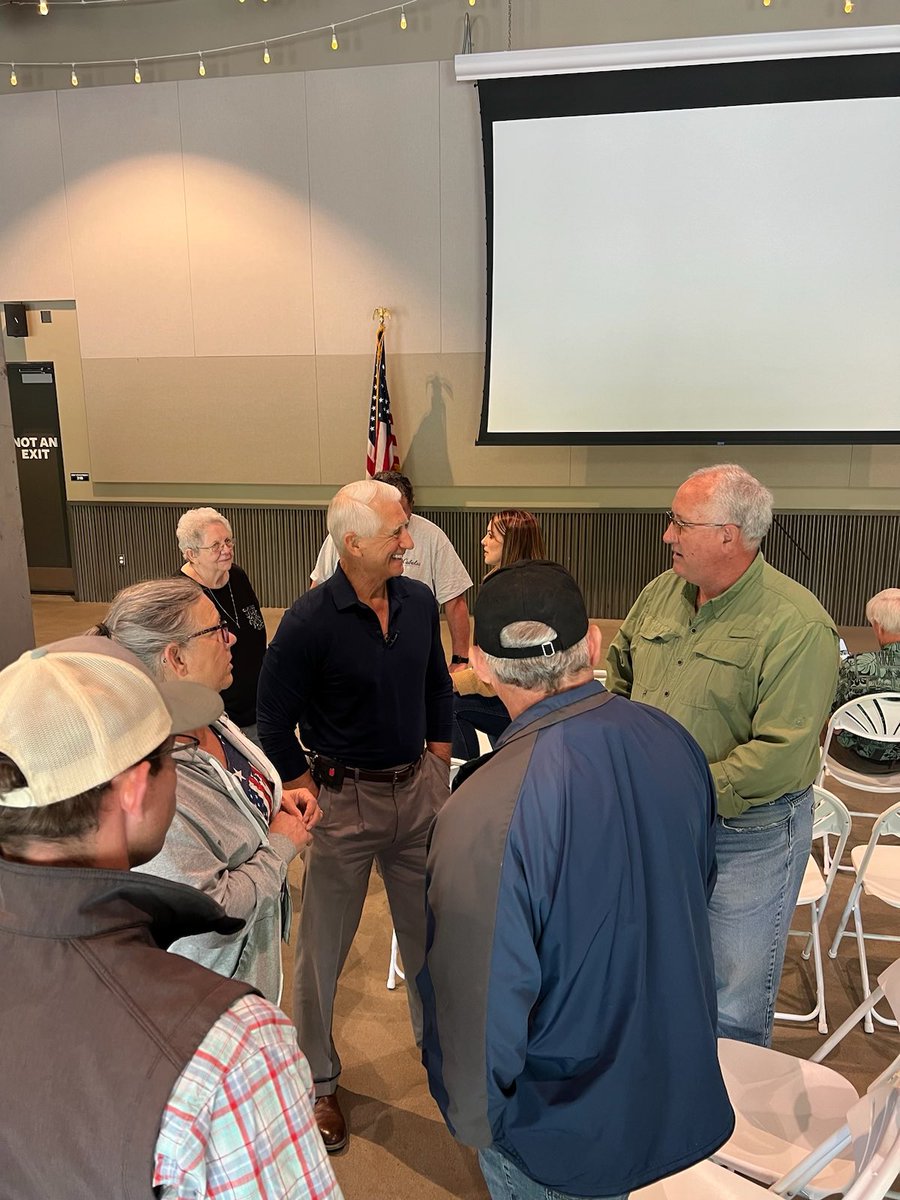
(329, 772)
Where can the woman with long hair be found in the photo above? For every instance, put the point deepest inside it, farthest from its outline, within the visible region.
(512, 535)
(236, 830)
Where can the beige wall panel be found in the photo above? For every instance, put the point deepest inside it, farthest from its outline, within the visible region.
(375, 183)
(246, 183)
(436, 404)
(35, 262)
(125, 193)
(875, 467)
(202, 420)
(434, 32)
(638, 469)
(463, 278)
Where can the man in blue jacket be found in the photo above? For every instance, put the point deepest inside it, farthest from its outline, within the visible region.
(569, 987)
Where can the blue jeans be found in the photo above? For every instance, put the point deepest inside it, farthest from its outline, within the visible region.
(506, 1182)
(762, 855)
(471, 712)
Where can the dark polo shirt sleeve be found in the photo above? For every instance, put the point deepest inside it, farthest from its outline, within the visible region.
(358, 696)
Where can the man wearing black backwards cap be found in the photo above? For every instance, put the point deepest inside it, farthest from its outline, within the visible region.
(127, 1071)
(568, 985)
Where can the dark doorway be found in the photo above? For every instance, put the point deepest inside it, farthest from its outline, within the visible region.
(32, 394)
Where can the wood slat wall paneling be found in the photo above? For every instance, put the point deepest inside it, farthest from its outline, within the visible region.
(843, 558)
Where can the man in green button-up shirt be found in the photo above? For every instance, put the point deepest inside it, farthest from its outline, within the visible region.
(746, 659)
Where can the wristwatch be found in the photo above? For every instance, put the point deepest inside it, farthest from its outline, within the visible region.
(457, 659)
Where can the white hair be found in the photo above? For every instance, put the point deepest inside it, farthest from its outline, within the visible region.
(539, 674)
(885, 609)
(353, 510)
(193, 523)
(739, 499)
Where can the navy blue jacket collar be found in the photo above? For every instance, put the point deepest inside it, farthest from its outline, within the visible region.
(548, 705)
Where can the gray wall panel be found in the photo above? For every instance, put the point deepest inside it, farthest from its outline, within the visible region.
(844, 558)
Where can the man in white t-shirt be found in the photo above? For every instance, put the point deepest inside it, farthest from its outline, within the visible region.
(432, 560)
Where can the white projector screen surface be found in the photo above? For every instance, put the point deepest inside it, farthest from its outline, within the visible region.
(697, 272)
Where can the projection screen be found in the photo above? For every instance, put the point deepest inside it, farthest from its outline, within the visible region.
(694, 254)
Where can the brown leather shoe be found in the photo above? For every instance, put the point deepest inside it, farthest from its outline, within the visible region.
(331, 1123)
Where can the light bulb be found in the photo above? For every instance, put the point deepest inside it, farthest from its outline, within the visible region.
(43, 8)
(201, 69)
(74, 77)
(402, 18)
(137, 72)
(848, 6)
(471, 3)
(766, 3)
(13, 78)
(267, 57)
(334, 41)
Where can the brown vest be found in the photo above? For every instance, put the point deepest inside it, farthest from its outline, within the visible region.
(97, 1024)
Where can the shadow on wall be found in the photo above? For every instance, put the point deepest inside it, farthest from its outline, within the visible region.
(427, 460)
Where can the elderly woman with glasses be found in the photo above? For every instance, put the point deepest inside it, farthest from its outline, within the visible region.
(235, 829)
(206, 542)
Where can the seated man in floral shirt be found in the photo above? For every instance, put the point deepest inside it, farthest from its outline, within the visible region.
(865, 673)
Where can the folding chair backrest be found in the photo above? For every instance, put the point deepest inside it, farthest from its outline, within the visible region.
(876, 717)
(830, 815)
(874, 1123)
(873, 1131)
(887, 825)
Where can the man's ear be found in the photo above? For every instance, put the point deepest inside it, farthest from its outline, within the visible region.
(129, 790)
(173, 660)
(479, 666)
(595, 644)
(351, 545)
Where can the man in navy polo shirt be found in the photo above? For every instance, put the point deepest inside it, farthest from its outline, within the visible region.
(358, 665)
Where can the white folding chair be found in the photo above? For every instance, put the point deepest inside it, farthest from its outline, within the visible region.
(830, 818)
(875, 717)
(787, 1107)
(877, 874)
(871, 1132)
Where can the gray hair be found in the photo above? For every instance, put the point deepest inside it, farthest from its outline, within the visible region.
(352, 510)
(190, 527)
(538, 674)
(740, 500)
(147, 617)
(885, 609)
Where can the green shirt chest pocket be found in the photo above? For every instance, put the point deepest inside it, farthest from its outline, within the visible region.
(723, 675)
(654, 651)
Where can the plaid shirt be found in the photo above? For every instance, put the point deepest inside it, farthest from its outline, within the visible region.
(239, 1123)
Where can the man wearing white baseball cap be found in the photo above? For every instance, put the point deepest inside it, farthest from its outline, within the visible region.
(156, 1076)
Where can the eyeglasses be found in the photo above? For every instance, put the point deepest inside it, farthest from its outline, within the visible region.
(221, 629)
(228, 543)
(185, 745)
(671, 519)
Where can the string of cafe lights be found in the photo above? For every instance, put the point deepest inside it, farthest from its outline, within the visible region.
(263, 44)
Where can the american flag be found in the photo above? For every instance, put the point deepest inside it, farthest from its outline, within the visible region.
(381, 454)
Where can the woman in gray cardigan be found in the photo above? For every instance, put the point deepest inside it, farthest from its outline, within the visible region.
(235, 829)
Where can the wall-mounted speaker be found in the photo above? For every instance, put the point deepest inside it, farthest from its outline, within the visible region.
(16, 320)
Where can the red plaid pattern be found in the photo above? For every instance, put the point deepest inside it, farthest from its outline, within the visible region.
(239, 1123)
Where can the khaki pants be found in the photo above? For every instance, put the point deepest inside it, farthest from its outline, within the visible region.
(361, 823)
